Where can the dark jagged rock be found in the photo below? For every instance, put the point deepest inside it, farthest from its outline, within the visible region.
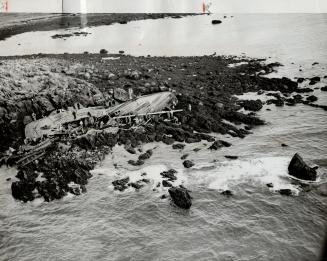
(285, 192)
(251, 105)
(103, 51)
(219, 144)
(314, 80)
(121, 184)
(146, 155)
(300, 80)
(166, 183)
(170, 174)
(312, 98)
(277, 102)
(130, 149)
(135, 185)
(324, 88)
(168, 140)
(178, 146)
(184, 156)
(231, 157)
(299, 169)
(303, 90)
(136, 162)
(216, 21)
(188, 164)
(227, 193)
(180, 197)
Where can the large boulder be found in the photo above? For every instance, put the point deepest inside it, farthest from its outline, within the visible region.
(188, 164)
(180, 197)
(299, 169)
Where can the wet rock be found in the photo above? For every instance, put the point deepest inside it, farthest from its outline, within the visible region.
(130, 149)
(231, 157)
(285, 192)
(136, 162)
(184, 156)
(23, 190)
(170, 174)
(121, 184)
(166, 183)
(178, 146)
(103, 51)
(8, 179)
(216, 21)
(300, 80)
(312, 98)
(196, 149)
(284, 145)
(135, 185)
(188, 164)
(299, 169)
(324, 88)
(270, 185)
(219, 144)
(251, 105)
(303, 90)
(180, 197)
(163, 196)
(314, 80)
(277, 102)
(121, 52)
(168, 140)
(227, 193)
(145, 155)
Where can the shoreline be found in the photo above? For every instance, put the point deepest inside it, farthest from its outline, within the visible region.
(13, 23)
(204, 86)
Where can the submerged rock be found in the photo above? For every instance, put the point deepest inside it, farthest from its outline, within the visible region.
(227, 193)
(219, 144)
(166, 183)
(299, 169)
(145, 155)
(121, 184)
(188, 164)
(180, 197)
(178, 146)
(285, 192)
(170, 174)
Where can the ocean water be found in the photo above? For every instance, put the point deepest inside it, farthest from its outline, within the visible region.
(257, 223)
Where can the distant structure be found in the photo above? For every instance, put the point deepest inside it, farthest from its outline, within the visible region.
(206, 7)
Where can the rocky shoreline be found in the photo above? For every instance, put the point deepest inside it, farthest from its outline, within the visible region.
(35, 86)
(16, 23)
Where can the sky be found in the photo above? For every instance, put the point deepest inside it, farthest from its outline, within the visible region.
(154, 6)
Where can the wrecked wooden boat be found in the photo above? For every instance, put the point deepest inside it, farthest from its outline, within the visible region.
(144, 105)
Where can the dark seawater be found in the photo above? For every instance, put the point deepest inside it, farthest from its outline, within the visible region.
(257, 223)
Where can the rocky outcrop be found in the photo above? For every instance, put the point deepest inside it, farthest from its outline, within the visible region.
(219, 144)
(180, 197)
(188, 164)
(251, 105)
(170, 174)
(299, 169)
(58, 173)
